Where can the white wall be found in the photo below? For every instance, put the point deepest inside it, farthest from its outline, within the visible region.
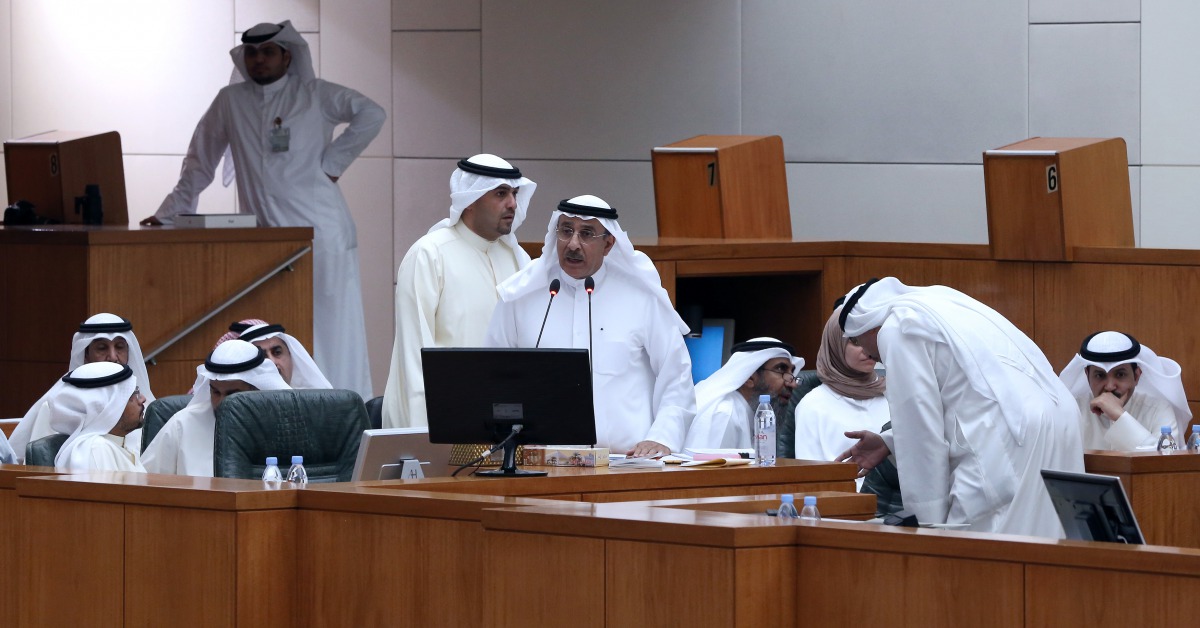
(885, 108)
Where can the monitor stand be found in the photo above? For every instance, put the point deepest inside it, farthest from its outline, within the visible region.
(508, 469)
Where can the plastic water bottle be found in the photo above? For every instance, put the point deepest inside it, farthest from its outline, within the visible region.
(1166, 442)
(764, 432)
(297, 474)
(272, 475)
(787, 508)
(1193, 443)
(810, 514)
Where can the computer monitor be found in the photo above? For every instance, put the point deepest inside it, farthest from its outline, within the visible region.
(382, 453)
(710, 350)
(1092, 507)
(475, 396)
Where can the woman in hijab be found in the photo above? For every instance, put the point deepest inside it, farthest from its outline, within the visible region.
(850, 399)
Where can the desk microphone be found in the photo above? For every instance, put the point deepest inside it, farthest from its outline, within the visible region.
(554, 285)
(589, 285)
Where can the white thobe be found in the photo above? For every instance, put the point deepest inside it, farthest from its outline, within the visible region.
(641, 373)
(36, 424)
(292, 189)
(727, 423)
(1137, 427)
(102, 452)
(823, 417)
(958, 461)
(445, 294)
(184, 445)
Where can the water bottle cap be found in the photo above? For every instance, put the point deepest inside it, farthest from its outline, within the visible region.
(1166, 429)
(272, 460)
(1195, 428)
(764, 398)
(297, 459)
(810, 500)
(788, 498)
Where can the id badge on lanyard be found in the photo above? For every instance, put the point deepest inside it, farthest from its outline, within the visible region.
(280, 136)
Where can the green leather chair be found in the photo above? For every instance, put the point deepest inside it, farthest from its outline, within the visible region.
(785, 423)
(375, 412)
(324, 426)
(41, 452)
(884, 482)
(158, 413)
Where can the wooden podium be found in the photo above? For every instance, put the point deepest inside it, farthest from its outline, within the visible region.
(162, 279)
(1047, 195)
(722, 186)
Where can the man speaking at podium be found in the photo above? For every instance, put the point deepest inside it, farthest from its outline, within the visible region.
(277, 126)
(610, 300)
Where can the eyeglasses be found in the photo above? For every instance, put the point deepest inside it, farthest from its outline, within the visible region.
(787, 376)
(137, 392)
(586, 235)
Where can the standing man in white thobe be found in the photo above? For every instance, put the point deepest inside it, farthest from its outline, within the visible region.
(641, 372)
(977, 411)
(1126, 393)
(102, 401)
(727, 399)
(446, 285)
(278, 125)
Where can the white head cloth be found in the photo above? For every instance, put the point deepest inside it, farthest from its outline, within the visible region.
(37, 422)
(93, 398)
(1161, 377)
(233, 360)
(479, 175)
(305, 372)
(622, 260)
(741, 365)
(110, 327)
(283, 35)
(938, 313)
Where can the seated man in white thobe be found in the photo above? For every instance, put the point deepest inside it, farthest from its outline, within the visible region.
(101, 338)
(295, 365)
(446, 284)
(102, 401)
(641, 372)
(184, 446)
(727, 399)
(1125, 393)
(274, 124)
(977, 411)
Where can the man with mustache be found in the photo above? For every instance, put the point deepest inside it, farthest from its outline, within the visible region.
(727, 400)
(446, 284)
(1125, 393)
(641, 373)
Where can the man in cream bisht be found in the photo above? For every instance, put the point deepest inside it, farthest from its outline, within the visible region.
(296, 367)
(726, 400)
(185, 444)
(276, 126)
(1125, 393)
(641, 372)
(101, 338)
(102, 401)
(977, 411)
(446, 285)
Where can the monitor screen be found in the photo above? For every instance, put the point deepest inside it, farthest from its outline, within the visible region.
(711, 349)
(475, 396)
(1092, 507)
(382, 452)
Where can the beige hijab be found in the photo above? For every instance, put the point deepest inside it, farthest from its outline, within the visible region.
(833, 371)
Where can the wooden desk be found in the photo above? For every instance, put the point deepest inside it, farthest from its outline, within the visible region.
(1161, 489)
(159, 278)
(154, 550)
(11, 539)
(635, 564)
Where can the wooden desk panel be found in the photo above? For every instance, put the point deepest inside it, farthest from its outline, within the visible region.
(1160, 490)
(1061, 596)
(12, 539)
(538, 563)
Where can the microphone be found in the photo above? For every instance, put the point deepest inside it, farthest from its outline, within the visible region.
(589, 285)
(554, 285)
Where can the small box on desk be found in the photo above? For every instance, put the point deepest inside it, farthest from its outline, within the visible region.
(565, 456)
(207, 221)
